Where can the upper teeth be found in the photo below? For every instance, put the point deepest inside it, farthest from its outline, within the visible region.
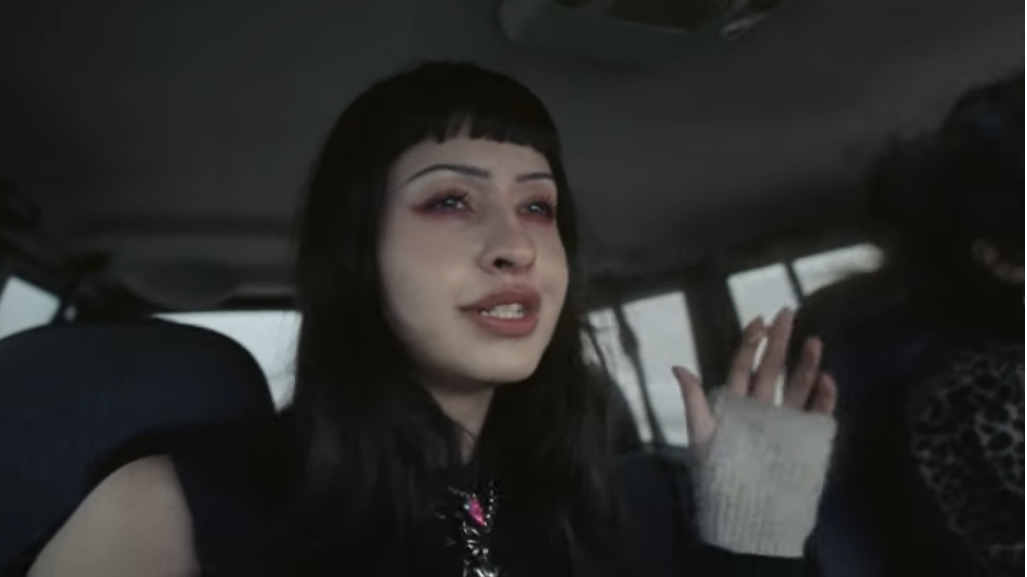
(509, 311)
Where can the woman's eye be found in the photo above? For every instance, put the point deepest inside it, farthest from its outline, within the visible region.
(447, 203)
(542, 208)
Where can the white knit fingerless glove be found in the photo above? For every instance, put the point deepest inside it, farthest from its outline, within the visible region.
(758, 480)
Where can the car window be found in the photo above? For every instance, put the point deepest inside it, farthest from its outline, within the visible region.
(764, 291)
(761, 292)
(819, 270)
(24, 305)
(663, 330)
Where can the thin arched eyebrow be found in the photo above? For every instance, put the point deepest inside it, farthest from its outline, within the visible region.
(535, 176)
(474, 172)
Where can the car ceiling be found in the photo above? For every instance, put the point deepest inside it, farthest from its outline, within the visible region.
(178, 135)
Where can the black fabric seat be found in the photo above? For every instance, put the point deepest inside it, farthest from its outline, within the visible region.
(70, 395)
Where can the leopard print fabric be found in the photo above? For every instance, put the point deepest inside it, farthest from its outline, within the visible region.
(967, 444)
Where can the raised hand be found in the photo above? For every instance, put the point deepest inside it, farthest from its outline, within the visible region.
(758, 470)
(807, 389)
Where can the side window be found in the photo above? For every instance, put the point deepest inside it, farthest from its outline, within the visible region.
(764, 291)
(819, 270)
(270, 336)
(23, 306)
(761, 292)
(663, 331)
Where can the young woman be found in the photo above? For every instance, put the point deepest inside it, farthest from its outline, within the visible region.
(443, 422)
(929, 356)
(965, 415)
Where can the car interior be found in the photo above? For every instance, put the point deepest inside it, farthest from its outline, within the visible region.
(153, 155)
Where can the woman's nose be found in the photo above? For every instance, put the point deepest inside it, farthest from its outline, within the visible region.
(509, 248)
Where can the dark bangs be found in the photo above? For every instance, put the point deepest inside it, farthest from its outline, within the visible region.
(443, 100)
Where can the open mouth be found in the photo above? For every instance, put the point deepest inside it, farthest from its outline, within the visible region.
(508, 313)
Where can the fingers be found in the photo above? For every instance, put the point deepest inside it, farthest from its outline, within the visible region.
(797, 394)
(697, 408)
(825, 396)
(772, 366)
(740, 374)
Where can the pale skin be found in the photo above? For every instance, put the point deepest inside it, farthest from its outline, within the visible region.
(137, 522)
(463, 219)
(807, 389)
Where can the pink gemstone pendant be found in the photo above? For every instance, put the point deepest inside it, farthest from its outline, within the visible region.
(475, 511)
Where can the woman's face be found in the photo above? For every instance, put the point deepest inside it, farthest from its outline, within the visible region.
(472, 264)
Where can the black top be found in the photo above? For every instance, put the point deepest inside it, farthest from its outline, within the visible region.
(235, 482)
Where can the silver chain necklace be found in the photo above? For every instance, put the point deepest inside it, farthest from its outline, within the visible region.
(471, 517)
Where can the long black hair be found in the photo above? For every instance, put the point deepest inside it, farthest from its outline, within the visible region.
(934, 195)
(372, 437)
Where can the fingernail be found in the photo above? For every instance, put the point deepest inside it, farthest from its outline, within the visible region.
(754, 332)
(755, 326)
(683, 373)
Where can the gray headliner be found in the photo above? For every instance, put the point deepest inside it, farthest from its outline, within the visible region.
(178, 132)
